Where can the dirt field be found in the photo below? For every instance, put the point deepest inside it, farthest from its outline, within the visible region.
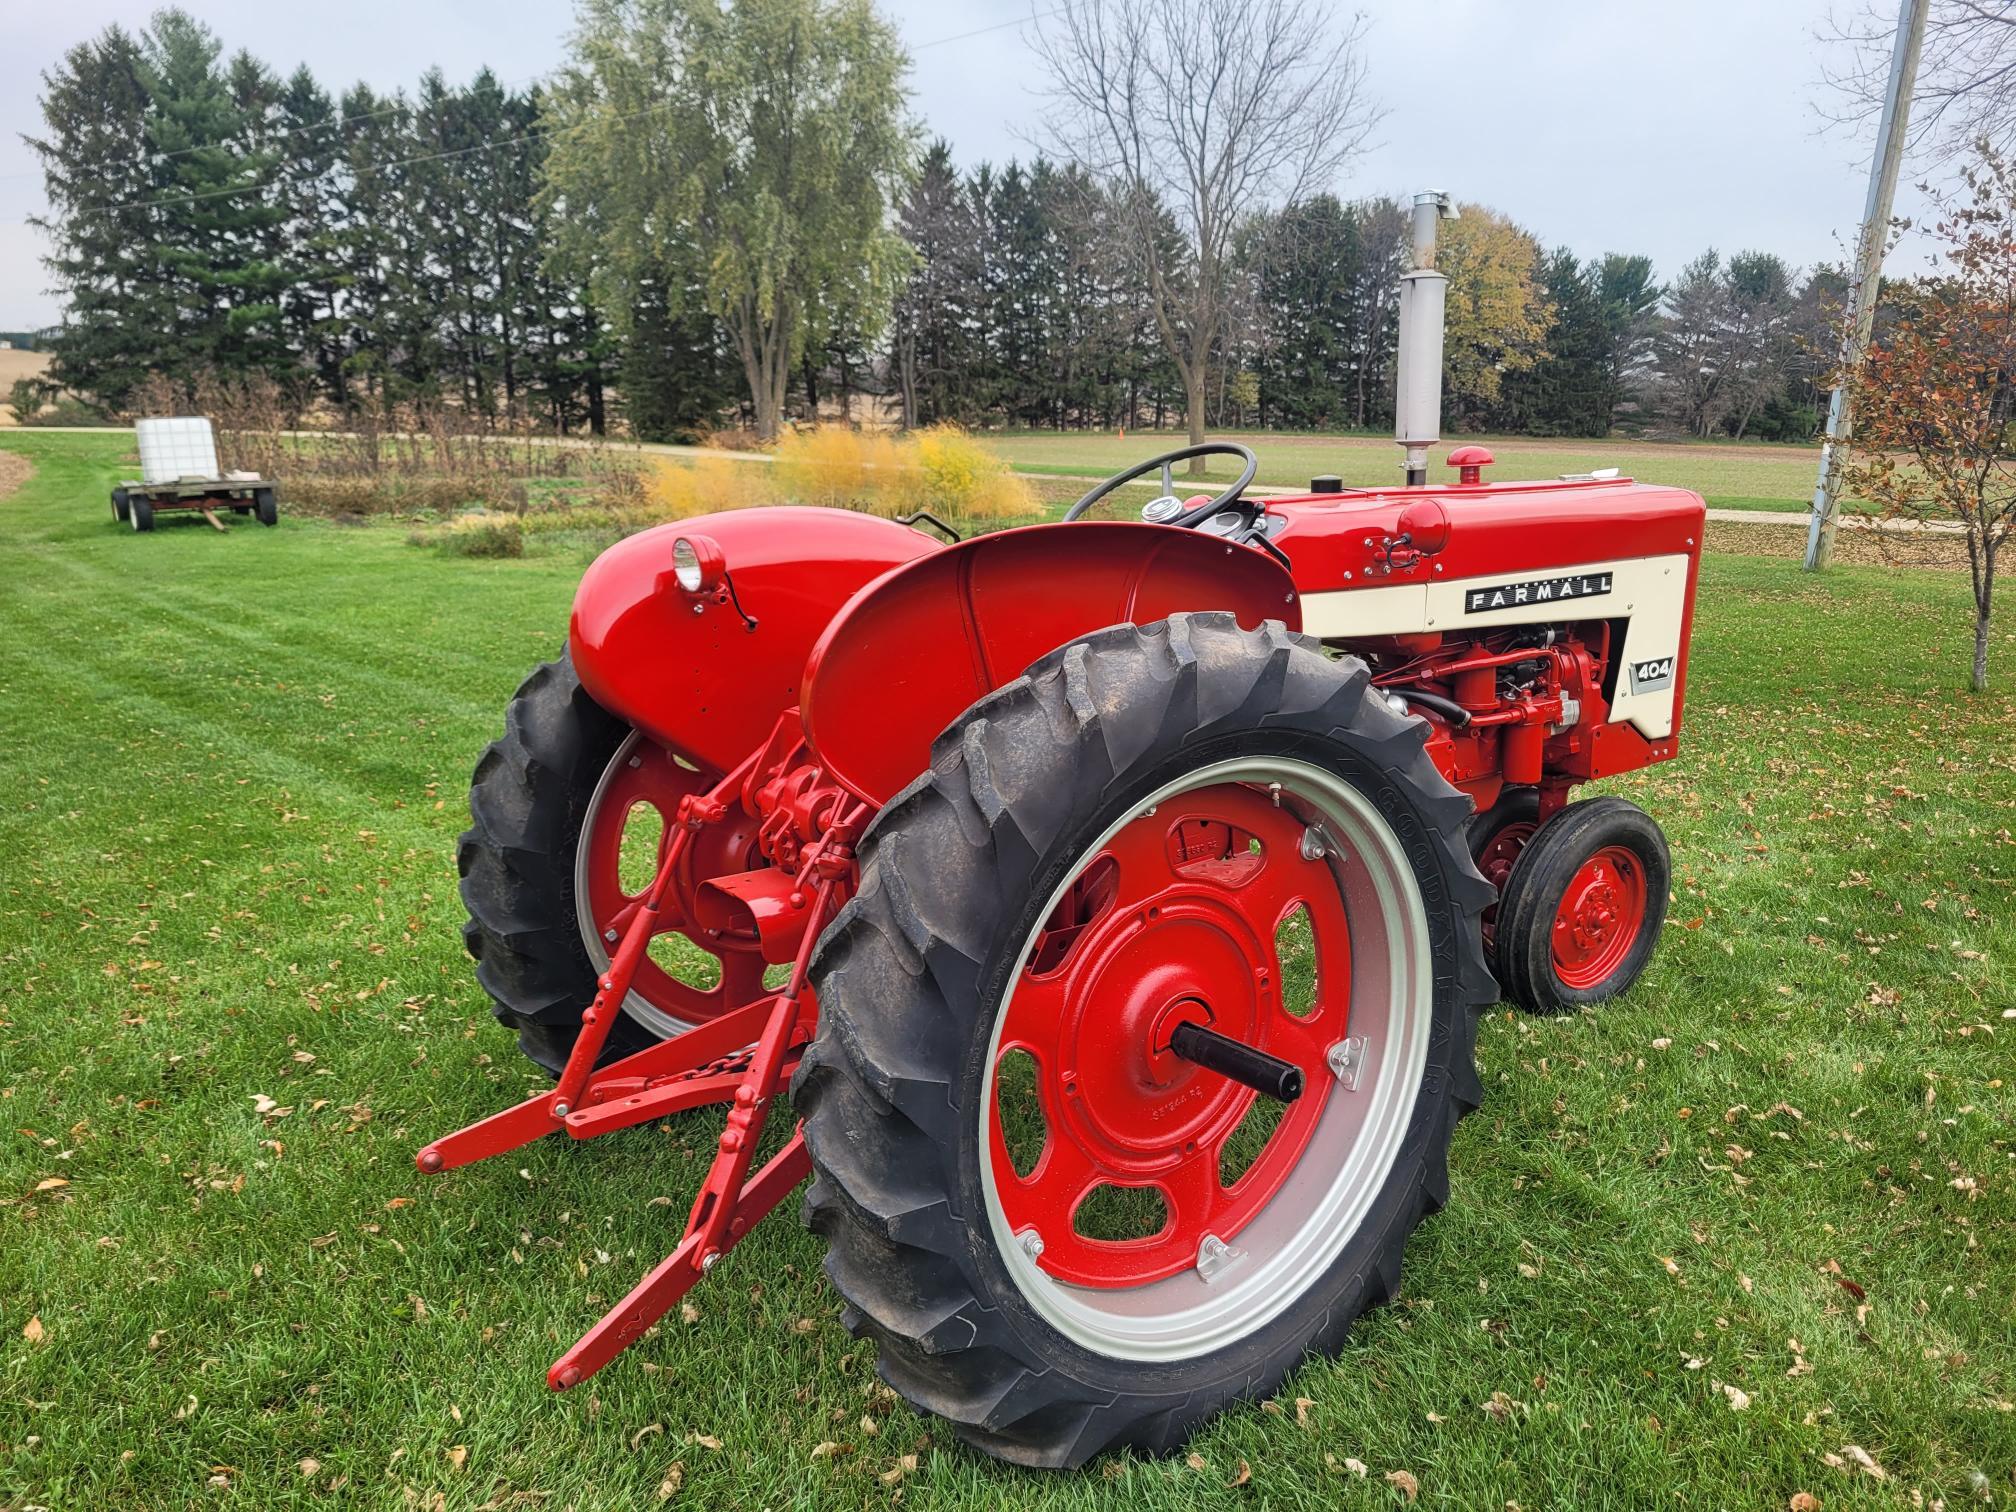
(14, 471)
(14, 365)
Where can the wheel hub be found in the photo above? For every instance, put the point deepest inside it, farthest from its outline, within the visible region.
(1600, 917)
(1175, 920)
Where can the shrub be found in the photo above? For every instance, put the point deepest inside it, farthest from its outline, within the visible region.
(941, 469)
(483, 534)
(677, 490)
(962, 480)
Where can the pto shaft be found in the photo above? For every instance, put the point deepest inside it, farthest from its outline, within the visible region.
(1264, 1073)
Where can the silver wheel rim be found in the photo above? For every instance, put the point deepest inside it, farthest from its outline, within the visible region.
(1293, 1241)
(636, 1005)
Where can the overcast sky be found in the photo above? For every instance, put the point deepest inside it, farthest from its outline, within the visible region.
(1604, 125)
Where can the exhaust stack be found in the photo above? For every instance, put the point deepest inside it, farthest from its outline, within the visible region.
(1417, 399)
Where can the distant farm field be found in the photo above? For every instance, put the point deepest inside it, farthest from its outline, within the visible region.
(1731, 475)
(14, 366)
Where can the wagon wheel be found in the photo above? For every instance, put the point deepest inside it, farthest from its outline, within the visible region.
(1581, 912)
(119, 505)
(557, 805)
(266, 504)
(140, 512)
(1182, 823)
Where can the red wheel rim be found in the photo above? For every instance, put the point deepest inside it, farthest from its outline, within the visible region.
(643, 785)
(1600, 917)
(1175, 918)
(1495, 862)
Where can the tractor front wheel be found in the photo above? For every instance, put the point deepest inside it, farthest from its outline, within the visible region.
(1581, 910)
(1062, 1232)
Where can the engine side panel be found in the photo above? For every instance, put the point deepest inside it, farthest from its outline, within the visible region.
(686, 668)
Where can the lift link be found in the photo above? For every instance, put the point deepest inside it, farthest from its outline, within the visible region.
(742, 1058)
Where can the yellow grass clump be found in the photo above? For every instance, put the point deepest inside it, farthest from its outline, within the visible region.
(963, 480)
(679, 488)
(941, 469)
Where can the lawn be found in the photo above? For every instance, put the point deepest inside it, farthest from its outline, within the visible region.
(1750, 1232)
(1732, 475)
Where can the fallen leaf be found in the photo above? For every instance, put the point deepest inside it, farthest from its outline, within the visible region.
(826, 1450)
(1409, 1487)
(1302, 1406)
(897, 1471)
(308, 1466)
(1357, 1467)
(33, 1331)
(643, 1433)
(675, 1477)
(1245, 1474)
(1739, 1399)
(52, 1183)
(1863, 1458)
(458, 1455)
(1194, 1461)
(706, 1441)
(1803, 1501)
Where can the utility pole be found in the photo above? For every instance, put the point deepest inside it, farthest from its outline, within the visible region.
(1859, 319)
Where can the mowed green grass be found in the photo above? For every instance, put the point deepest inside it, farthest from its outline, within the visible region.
(233, 1001)
(1730, 475)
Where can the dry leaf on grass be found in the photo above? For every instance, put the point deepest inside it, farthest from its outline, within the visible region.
(52, 1183)
(1739, 1399)
(1409, 1487)
(903, 1466)
(458, 1455)
(1245, 1474)
(33, 1331)
(1803, 1501)
(309, 1466)
(643, 1433)
(675, 1477)
(1194, 1461)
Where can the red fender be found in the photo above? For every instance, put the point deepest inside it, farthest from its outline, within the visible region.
(685, 668)
(913, 649)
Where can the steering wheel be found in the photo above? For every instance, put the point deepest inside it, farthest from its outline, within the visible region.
(1167, 509)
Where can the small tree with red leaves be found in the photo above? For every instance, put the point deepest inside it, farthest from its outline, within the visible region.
(1935, 400)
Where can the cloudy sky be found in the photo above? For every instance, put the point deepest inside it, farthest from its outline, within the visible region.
(1603, 125)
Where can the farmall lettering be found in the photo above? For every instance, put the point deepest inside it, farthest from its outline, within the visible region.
(1540, 591)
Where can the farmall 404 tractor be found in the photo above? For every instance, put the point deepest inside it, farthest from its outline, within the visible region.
(1113, 900)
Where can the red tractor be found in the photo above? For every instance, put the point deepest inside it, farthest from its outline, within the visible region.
(1114, 901)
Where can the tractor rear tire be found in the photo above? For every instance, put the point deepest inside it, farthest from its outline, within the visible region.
(267, 504)
(968, 870)
(140, 512)
(1581, 912)
(516, 860)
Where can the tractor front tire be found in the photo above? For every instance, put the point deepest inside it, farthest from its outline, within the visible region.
(1044, 1344)
(1581, 912)
(517, 862)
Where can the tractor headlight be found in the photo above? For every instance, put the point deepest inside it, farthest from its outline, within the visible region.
(686, 565)
(698, 563)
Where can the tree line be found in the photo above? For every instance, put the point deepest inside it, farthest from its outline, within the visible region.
(604, 248)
